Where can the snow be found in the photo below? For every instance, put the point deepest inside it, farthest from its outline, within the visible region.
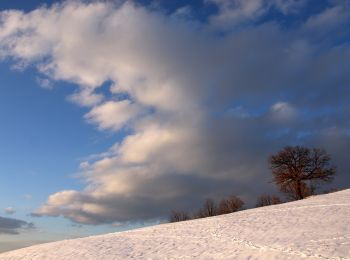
(314, 228)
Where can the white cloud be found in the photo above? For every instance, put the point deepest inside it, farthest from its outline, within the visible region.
(183, 12)
(113, 114)
(235, 13)
(86, 97)
(9, 210)
(44, 83)
(283, 111)
(333, 18)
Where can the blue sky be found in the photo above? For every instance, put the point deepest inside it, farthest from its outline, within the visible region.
(35, 159)
(114, 113)
(34, 123)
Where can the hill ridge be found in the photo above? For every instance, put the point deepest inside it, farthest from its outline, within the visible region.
(314, 228)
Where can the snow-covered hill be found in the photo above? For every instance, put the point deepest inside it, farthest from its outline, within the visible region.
(314, 228)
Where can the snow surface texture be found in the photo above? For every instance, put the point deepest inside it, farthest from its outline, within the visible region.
(314, 228)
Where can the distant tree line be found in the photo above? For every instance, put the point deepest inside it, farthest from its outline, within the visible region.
(210, 208)
(227, 205)
(297, 171)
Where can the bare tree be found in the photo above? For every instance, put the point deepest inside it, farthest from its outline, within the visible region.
(266, 200)
(230, 204)
(294, 168)
(177, 216)
(208, 209)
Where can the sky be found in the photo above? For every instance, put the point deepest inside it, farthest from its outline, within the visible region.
(114, 113)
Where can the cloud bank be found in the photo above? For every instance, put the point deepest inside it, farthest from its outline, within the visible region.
(203, 103)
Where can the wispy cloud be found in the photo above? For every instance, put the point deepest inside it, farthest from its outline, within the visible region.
(13, 226)
(233, 13)
(27, 196)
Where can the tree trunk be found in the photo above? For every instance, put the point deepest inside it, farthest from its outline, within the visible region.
(299, 191)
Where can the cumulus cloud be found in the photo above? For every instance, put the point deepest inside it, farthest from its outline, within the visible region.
(113, 114)
(203, 109)
(13, 226)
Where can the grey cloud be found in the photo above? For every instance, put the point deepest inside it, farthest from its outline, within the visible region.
(13, 226)
(155, 198)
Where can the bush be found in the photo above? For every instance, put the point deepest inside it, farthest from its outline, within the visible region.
(177, 216)
(208, 209)
(230, 204)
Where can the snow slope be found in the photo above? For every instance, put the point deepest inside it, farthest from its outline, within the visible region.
(314, 228)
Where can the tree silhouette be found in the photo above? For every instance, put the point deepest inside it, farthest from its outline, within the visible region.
(230, 204)
(177, 216)
(266, 200)
(208, 209)
(293, 168)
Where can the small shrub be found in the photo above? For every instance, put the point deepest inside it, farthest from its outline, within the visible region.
(208, 209)
(266, 200)
(230, 204)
